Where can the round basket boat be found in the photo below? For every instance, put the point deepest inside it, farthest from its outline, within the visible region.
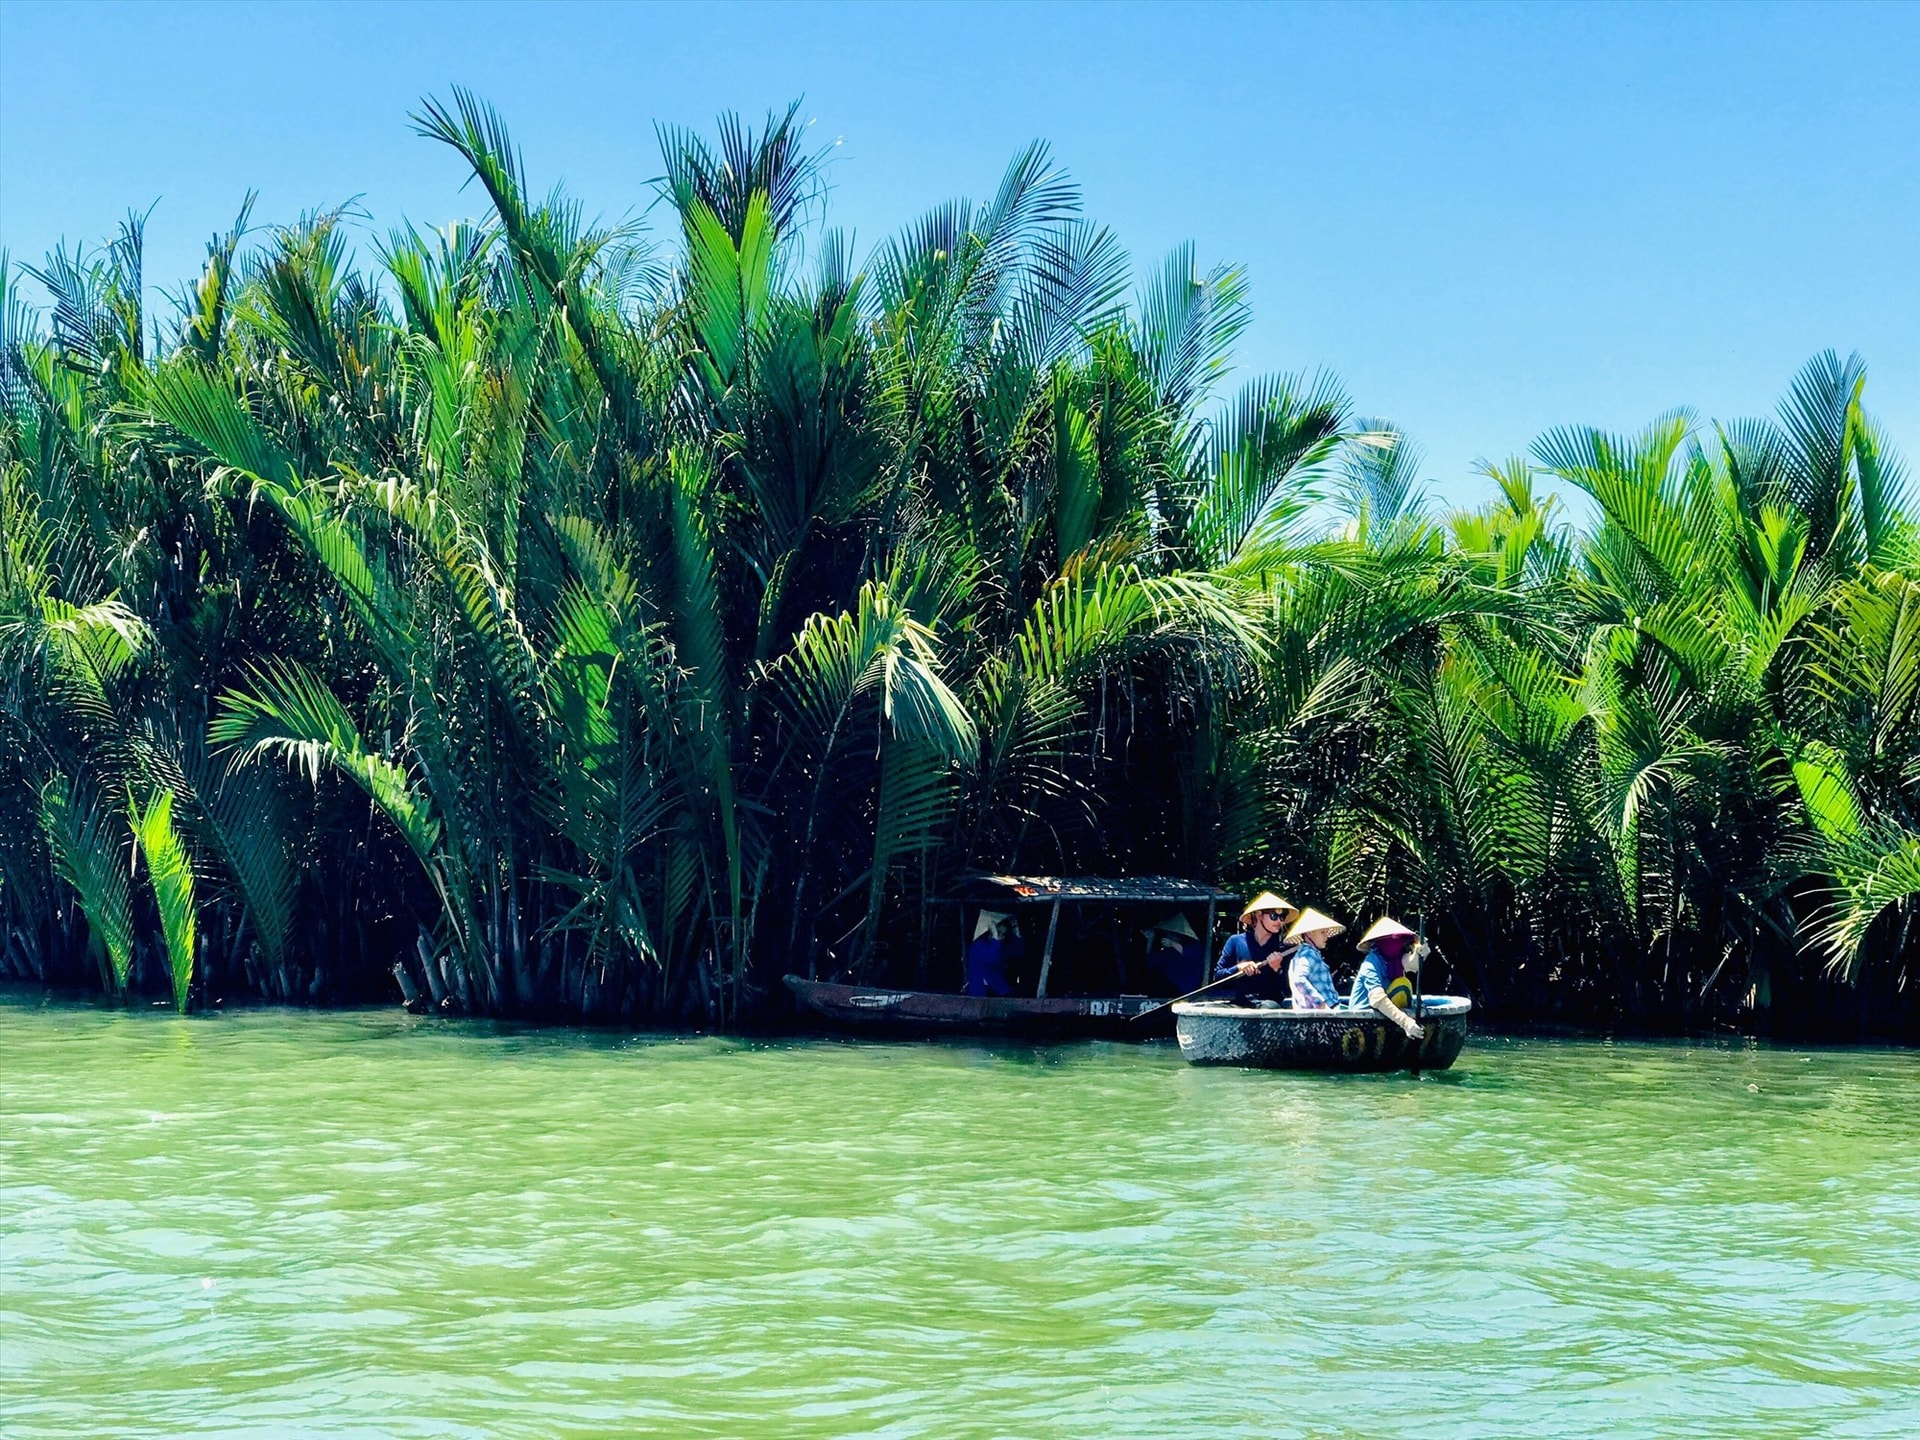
(1320, 1039)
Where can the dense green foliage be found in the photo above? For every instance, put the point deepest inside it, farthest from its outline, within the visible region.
(598, 626)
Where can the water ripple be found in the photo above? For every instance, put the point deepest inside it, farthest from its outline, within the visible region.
(363, 1225)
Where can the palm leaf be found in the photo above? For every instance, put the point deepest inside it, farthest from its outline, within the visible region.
(171, 876)
(89, 842)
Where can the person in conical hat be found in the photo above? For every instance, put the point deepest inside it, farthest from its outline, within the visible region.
(995, 947)
(1388, 957)
(1314, 927)
(1308, 978)
(1389, 934)
(1171, 932)
(1175, 955)
(1257, 951)
(1284, 909)
(992, 922)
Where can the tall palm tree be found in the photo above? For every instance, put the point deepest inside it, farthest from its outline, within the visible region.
(558, 619)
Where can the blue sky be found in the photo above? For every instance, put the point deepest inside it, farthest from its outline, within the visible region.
(1486, 220)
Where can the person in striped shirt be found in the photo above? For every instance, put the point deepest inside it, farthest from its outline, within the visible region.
(1307, 973)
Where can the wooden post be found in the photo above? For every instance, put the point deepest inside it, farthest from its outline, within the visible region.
(1419, 993)
(1206, 945)
(1046, 956)
(923, 960)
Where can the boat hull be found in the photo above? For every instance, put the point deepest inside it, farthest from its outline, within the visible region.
(1350, 1040)
(874, 1010)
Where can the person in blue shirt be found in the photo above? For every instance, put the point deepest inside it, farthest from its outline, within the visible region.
(1257, 951)
(996, 946)
(1176, 956)
(1389, 957)
(1308, 977)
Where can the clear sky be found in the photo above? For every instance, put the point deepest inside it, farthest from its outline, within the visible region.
(1486, 220)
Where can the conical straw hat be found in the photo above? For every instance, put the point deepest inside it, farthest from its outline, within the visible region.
(1386, 925)
(1267, 900)
(1312, 920)
(989, 920)
(1171, 933)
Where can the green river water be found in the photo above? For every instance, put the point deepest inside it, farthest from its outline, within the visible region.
(276, 1223)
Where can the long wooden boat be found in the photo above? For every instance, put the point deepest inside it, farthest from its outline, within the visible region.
(1359, 1040)
(874, 1010)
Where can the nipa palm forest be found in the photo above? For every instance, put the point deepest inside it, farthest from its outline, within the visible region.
(593, 622)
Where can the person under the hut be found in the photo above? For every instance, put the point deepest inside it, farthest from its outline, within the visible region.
(1257, 952)
(1175, 955)
(1307, 975)
(996, 945)
(1389, 957)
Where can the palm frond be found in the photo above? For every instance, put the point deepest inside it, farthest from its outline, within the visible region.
(171, 876)
(91, 853)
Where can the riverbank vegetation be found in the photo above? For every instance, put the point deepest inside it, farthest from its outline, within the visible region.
(595, 622)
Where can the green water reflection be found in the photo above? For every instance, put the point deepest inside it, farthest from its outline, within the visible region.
(298, 1224)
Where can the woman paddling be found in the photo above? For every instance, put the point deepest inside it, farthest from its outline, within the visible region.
(1257, 951)
(1388, 956)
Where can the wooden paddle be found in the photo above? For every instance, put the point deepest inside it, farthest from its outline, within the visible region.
(1419, 990)
(1193, 994)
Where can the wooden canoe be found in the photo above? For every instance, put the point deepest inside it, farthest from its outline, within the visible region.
(875, 1010)
(1359, 1040)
